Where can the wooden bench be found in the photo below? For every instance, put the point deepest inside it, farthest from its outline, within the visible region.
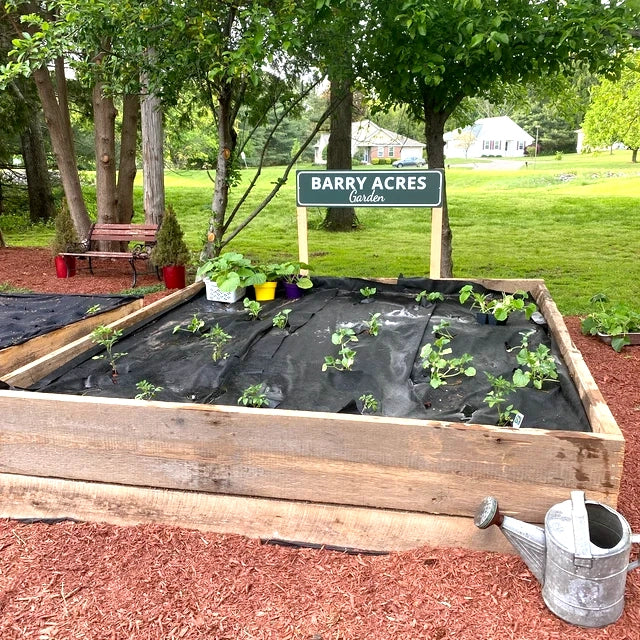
(142, 235)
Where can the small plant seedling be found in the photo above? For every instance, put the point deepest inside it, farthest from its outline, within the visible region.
(500, 308)
(343, 337)
(281, 319)
(615, 320)
(107, 337)
(218, 337)
(369, 403)
(372, 326)
(443, 328)
(195, 324)
(497, 397)
(253, 308)
(93, 310)
(429, 296)
(368, 292)
(441, 368)
(254, 396)
(539, 365)
(147, 390)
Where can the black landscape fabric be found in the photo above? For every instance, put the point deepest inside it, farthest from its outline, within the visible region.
(288, 362)
(26, 315)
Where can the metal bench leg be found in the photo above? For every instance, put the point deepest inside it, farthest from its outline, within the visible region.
(90, 266)
(135, 273)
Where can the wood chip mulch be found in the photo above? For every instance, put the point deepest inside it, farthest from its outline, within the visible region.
(84, 580)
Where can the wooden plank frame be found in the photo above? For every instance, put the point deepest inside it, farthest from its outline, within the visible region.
(347, 481)
(12, 358)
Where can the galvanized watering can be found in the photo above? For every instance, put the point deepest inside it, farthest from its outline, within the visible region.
(581, 557)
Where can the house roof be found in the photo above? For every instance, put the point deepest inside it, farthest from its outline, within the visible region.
(366, 133)
(498, 128)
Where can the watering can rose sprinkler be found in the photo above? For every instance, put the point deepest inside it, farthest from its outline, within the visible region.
(581, 557)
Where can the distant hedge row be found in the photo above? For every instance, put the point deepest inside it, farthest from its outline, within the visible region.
(383, 160)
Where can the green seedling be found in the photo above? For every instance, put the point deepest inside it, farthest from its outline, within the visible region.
(194, 326)
(429, 296)
(107, 337)
(343, 337)
(253, 308)
(218, 338)
(281, 319)
(440, 368)
(254, 396)
(497, 397)
(368, 292)
(539, 366)
(372, 326)
(615, 320)
(147, 390)
(369, 403)
(93, 310)
(443, 328)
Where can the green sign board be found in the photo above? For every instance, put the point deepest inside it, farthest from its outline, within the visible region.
(398, 188)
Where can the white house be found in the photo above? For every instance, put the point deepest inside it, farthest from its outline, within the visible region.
(499, 136)
(369, 141)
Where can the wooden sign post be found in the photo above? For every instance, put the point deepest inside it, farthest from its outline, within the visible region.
(371, 189)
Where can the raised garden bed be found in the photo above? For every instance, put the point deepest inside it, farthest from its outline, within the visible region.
(322, 477)
(34, 325)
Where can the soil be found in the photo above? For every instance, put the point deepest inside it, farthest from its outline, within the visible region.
(86, 580)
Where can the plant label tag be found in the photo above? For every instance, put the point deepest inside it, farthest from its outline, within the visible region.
(517, 420)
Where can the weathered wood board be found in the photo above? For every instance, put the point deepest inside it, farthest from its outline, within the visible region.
(353, 481)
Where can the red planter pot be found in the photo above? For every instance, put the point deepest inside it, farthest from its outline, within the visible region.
(65, 266)
(174, 277)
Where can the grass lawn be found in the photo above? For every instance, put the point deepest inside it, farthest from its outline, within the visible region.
(573, 222)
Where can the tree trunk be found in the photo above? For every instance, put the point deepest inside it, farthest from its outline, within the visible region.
(62, 142)
(41, 205)
(152, 155)
(339, 150)
(434, 123)
(127, 165)
(226, 147)
(104, 117)
(634, 155)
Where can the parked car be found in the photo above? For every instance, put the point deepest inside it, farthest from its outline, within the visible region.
(409, 162)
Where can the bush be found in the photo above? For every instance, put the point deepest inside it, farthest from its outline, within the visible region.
(375, 160)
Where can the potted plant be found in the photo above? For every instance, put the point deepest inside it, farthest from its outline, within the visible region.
(171, 253)
(64, 239)
(267, 290)
(294, 282)
(228, 275)
(614, 324)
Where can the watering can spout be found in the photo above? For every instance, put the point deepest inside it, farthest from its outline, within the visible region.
(528, 539)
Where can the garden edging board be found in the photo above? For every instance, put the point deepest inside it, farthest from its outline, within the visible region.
(349, 481)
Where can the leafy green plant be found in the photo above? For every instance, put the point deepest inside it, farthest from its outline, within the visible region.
(147, 390)
(281, 318)
(254, 396)
(369, 403)
(171, 248)
(443, 328)
(440, 368)
(429, 296)
(539, 365)
(343, 338)
(93, 310)
(500, 308)
(253, 308)
(218, 338)
(501, 388)
(194, 326)
(372, 325)
(106, 337)
(615, 320)
(230, 270)
(65, 236)
(290, 272)
(368, 292)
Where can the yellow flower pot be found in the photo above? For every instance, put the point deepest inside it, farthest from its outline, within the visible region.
(266, 291)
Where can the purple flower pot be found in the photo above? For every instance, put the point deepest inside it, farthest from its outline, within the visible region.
(292, 291)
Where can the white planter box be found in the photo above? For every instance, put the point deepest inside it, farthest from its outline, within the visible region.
(214, 294)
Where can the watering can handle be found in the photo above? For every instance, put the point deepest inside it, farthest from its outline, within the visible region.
(635, 539)
(582, 543)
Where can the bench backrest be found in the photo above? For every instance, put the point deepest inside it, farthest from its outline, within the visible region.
(124, 233)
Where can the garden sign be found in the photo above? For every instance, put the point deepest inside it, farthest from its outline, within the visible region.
(371, 189)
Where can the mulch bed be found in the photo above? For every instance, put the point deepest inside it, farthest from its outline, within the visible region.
(77, 580)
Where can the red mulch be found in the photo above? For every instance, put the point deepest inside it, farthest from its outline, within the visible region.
(93, 581)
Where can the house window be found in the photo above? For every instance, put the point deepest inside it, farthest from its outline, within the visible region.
(390, 152)
(380, 152)
(520, 145)
(491, 145)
